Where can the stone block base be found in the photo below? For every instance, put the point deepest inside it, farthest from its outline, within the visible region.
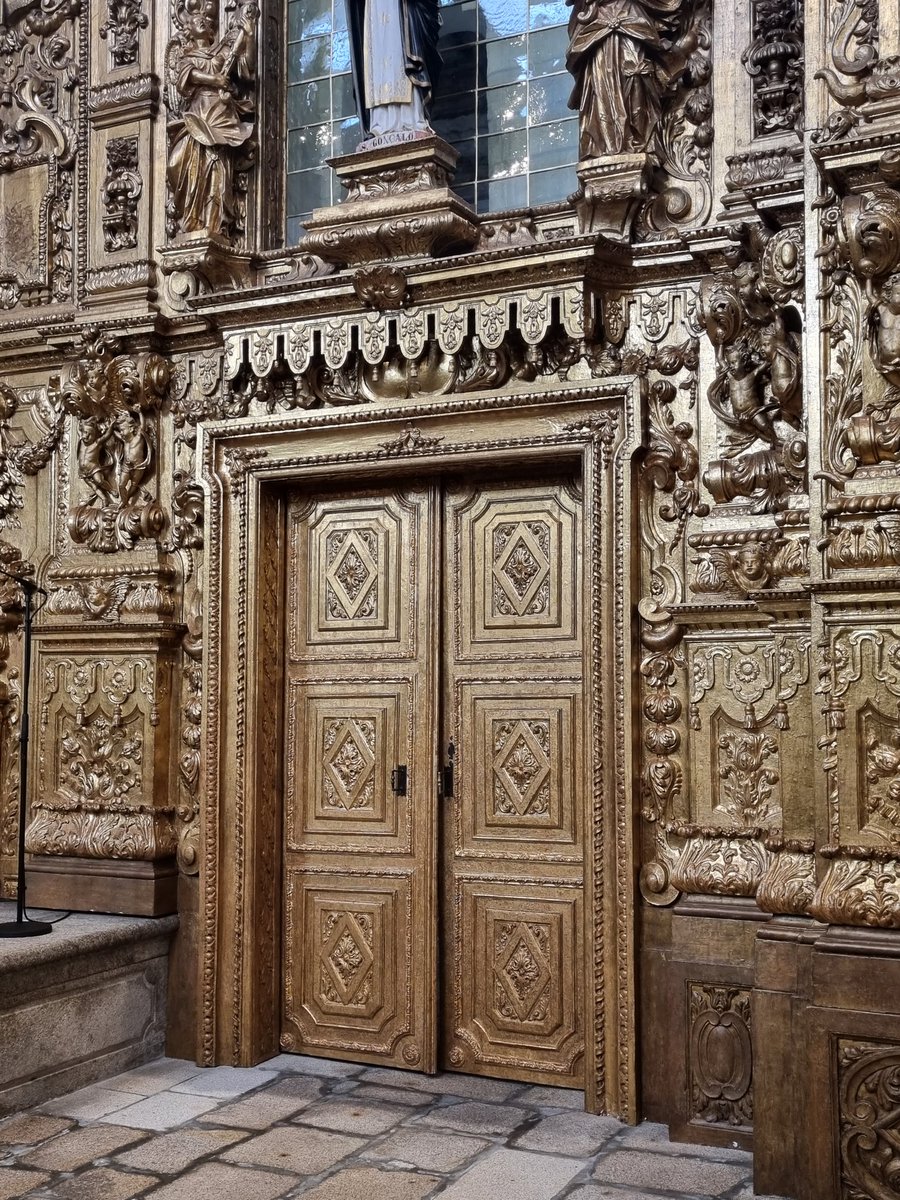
(107, 885)
(79, 1005)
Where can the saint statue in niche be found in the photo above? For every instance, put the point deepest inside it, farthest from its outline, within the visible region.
(623, 54)
(393, 50)
(212, 112)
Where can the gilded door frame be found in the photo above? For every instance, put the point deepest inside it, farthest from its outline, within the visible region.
(246, 466)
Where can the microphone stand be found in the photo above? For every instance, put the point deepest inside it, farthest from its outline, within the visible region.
(22, 926)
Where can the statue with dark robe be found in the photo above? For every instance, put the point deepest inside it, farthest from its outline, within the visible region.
(393, 49)
(624, 54)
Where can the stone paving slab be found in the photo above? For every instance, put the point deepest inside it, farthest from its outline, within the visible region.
(308, 1129)
(514, 1173)
(362, 1183)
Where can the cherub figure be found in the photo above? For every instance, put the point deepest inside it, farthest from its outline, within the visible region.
(737, 396)
(884, 330)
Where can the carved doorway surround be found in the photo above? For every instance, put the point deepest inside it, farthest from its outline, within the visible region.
(249, 467)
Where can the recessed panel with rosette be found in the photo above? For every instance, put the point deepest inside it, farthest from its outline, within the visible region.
(359, 846)
(513, 827)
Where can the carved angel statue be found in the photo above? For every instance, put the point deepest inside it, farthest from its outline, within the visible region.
(212, 114)
(624, 54)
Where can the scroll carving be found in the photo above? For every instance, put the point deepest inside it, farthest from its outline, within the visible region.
(868, 1098)
(210, 94)
(115, 399)
(38, 140)
(861, 78)
(20, 460)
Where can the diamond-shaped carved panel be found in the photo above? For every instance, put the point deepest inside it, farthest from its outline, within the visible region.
(348, 777)
(344, 739)
(352, 570)
(517, 976)
(347, 960)
(521, 568)
(521, 971)
(520, 571)
(517, 767)
(352, 574)
(521, 768)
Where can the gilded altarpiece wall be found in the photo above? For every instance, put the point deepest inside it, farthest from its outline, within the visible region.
(711, 321)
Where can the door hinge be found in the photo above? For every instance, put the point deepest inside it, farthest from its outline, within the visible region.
(398, 780)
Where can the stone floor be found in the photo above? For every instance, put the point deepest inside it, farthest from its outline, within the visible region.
(336, 1131)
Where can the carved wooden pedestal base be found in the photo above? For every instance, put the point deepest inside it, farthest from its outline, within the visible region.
(107, 885)
(399, 204)
(611, 190)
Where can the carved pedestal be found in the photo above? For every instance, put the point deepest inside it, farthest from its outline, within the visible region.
(103, 833)
(399, 204)
(611, 191)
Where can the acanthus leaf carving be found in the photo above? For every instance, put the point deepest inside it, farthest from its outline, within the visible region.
(124, 22)
(868, 1112)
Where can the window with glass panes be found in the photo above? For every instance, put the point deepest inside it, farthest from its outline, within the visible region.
(501, 101)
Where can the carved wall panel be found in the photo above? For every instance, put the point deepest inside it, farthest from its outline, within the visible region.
(868, 1098)
(103, 741)
(721, 1056)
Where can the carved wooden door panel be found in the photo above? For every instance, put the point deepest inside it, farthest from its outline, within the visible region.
(359, 842)
(512, 838)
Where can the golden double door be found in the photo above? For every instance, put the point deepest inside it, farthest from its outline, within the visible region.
(435, 778)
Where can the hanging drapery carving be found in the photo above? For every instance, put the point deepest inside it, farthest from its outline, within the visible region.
(209, 88)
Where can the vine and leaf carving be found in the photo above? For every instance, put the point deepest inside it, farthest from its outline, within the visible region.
(115, 400)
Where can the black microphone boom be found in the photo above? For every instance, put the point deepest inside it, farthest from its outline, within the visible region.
(22, 926)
